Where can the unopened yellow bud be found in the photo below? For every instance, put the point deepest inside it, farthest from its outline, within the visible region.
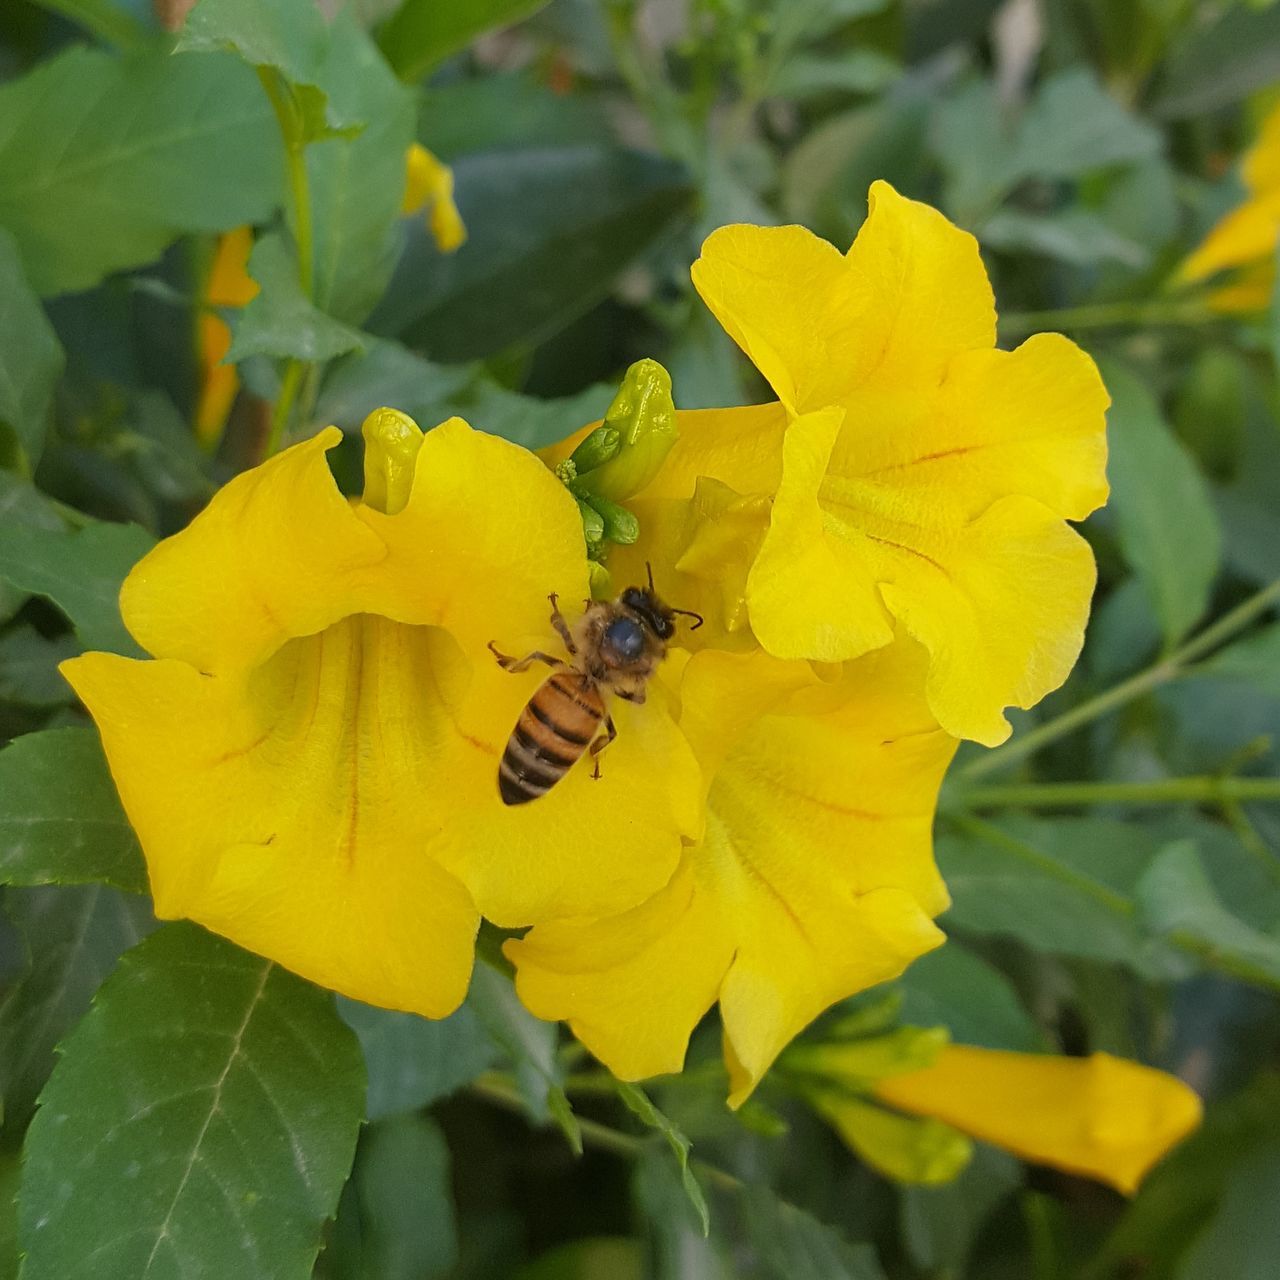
(644, 415)
(429, 185)
(391, 443)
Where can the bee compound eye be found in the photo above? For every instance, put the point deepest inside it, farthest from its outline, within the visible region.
(625, 637)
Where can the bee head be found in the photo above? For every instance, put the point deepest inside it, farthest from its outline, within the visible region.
(650, 611)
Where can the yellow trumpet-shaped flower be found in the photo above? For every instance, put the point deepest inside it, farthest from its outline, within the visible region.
(1248, 236)
(310, 757)
(1103, 1117)
(814, 879)
(911, 477)
(429, 186)
(229, 285)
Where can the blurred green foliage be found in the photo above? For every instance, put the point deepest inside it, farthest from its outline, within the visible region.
(1115, 871)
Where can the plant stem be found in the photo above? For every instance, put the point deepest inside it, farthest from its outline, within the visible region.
(1051, 795)
(1126, 691)
(284, 405)
(1106, 315)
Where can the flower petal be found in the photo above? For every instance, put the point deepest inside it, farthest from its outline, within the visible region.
(1099, 1116)
(815, 878)
(1242, 236)
(277, 553)
(289, 810)
(1030, 422)
(810, 592)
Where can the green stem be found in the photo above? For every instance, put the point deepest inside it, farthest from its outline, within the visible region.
(1127, 690)
(1052, 795)
(289, 119)
(289, 385)
(1106, 315)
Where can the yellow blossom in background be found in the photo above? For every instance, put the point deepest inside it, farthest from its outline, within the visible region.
(815, 878)
(429, 186)
(1246, 238)
(908, 1102)
(310, 758)
(229, 285)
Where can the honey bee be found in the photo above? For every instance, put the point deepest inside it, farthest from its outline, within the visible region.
(613, 648)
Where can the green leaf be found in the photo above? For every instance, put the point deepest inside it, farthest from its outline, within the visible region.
(853, 71)
(1164, 516)
(29, 667)
(74, 936)
(412, 1062)
(1177, 898)
(60, 818)
(1063, 887)
(290, 36)
(794, 1245)
(940, 1224)
(585, 213)
(530, 1046)
(1212, 67)
(1254, 660)
(31, 357)
(951, 987)
(396, 1221)
(604, 1258)
(422, 33)
(1074, 236)
(640, 1105)
(1243, 1241)
(107, 160)
(200, 1121)
(677, 1247)
(280, 321)
(10, 1178)
(108, 21)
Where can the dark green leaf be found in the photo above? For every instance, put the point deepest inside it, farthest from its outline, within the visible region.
(1177, 898)
(105, 19)
(1243, 1241)
(640, 1105)
(953, 988)
(74, 936)
(854, 71)
(31, 356)
(411, 1061)
(396, 1221)
(29, 667)
(10, 1177)
(60, 818)
(1164, 517)
(105, 160)
(605, 1258)
(1254, 660)
(280, 321)
(423, 32)
(530, 1046)
(200, 1122)
(80, 570)
(585, 214)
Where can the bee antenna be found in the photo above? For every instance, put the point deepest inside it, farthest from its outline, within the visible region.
(648, 568)
(689, 613)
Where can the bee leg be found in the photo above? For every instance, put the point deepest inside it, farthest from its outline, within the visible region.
(557, 621)
(610, 732)
(514, 665)
(632, 695)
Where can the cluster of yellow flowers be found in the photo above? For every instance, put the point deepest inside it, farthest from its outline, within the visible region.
(882, 557)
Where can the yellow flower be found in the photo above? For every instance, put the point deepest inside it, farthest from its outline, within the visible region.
(815, 878)
(229, 285)
(310, 760)
(1103, 1117)
(1248, 236)
(910, 477)
(429, 186)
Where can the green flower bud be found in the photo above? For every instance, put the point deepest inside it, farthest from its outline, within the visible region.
(391, 443)
(601, 446)
(592, 522)
(601, 581)
(619, 524)
(644, 416)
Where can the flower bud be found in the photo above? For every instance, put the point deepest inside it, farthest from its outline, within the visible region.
(644, 416)
(429, 186)
(592, 523)
(619, 524)
(602, 445)
(391, 443)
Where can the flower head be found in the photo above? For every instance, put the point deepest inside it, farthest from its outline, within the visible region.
(229, 285)
(310, 758)
(910, 477)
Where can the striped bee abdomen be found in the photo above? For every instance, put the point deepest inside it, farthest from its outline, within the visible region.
(554, 729)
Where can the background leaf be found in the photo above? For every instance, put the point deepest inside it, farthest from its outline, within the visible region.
(422, 32)
(31, 357)
(137, 1163)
